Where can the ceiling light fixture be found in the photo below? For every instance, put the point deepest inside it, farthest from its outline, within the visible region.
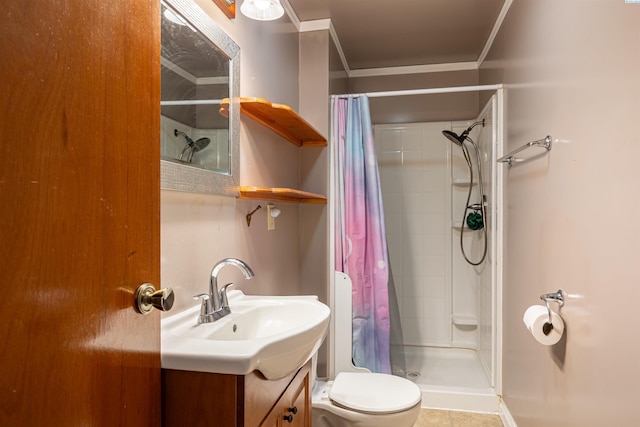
(262, 10)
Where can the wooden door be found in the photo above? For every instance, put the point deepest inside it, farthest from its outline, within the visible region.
(79, 212)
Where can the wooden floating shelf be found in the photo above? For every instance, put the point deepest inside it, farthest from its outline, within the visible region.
(280, 195)
(279, 118)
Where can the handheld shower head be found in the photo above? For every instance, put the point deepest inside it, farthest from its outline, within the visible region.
(475, 221)
(200, 144)
(453, 137)
(459, 140)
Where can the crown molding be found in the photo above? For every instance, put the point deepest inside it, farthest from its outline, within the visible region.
(327, 25)
(494, 31)
(315, 25)
(336, 42)
(291, 13)
(414, 69)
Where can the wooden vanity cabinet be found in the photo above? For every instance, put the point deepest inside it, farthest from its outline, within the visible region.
(222, 400)
(293, 409)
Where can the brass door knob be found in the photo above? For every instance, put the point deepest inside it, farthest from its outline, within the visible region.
(147, 298)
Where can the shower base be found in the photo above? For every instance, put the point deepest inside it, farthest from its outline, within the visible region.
(451, 378)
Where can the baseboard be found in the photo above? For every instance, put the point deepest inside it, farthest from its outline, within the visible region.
(505, 416)
(460, 399)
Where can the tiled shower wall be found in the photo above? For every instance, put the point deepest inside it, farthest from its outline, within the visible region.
(214, 156)
(424, 182)
(415, 177)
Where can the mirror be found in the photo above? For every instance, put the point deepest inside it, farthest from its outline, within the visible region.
(200, 69)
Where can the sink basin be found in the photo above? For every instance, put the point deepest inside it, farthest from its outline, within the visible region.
(271, 334)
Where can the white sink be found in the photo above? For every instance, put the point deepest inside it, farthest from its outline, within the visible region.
(272, 334)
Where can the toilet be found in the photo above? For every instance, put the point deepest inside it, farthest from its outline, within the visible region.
(356, 396)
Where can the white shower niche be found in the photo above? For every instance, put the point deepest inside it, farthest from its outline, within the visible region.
(448, 307)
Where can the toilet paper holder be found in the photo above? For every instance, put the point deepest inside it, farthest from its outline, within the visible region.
(557, 297)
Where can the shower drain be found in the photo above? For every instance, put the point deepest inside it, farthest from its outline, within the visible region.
(413, 375)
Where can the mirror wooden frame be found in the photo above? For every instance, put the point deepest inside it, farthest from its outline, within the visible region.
(178, 177)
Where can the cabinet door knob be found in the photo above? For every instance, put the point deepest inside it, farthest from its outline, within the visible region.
(293, 410)
(147, 298)
(288, 418)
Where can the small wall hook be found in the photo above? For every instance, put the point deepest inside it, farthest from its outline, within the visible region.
(250, 214)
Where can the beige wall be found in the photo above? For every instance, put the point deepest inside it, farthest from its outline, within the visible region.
(314, 107)
(420, 108)
(198, 230)
(572, 70)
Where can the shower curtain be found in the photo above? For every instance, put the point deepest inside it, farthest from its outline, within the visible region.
(361, 246)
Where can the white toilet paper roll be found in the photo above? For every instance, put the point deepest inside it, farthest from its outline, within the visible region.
(536, 317)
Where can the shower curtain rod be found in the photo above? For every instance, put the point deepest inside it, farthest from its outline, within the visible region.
(423, 91)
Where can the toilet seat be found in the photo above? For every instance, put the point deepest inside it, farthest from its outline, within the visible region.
(373, 393)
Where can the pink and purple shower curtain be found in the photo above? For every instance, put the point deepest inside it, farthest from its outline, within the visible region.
(361, 245)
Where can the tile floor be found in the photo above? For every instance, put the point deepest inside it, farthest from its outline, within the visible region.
(439, 418)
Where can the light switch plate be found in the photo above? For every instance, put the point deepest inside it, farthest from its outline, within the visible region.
(271, 221)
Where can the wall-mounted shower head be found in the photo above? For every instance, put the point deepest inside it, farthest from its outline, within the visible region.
(198, 145)
(176, 132)
(459, 140)
(192, 146)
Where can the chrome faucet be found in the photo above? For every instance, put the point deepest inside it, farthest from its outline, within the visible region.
(215, 304)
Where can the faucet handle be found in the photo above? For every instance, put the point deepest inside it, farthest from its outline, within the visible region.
(223, 295)
(203, 308)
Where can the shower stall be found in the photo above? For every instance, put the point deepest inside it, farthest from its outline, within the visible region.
(443, 228)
